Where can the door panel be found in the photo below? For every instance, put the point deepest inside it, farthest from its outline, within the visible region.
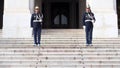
(60, 15)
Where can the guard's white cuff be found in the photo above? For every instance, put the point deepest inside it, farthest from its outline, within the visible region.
(93, 21)
(83, 27)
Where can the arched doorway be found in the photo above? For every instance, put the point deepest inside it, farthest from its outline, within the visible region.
(1, 13)
(118, 12)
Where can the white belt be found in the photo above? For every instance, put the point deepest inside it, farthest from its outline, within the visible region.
(88, 20)
(37, 20)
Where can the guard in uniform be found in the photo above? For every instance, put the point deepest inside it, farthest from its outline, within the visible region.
(88, 20)
(36, 24)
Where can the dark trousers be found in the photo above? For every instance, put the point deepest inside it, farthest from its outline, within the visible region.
(89, 31)
(37, 35)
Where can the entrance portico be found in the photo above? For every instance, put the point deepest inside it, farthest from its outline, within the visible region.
(17, 16)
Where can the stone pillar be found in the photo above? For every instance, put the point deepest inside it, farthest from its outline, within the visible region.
(16, 22)
(32, 5)
(82, 6)
(106, 25)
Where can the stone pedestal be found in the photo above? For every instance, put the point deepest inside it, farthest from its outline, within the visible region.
(106, 25)
(16, 22)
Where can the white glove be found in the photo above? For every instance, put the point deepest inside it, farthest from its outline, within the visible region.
(93, 21)
(83, 27)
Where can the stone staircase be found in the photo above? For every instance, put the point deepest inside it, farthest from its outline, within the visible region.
(60, 48)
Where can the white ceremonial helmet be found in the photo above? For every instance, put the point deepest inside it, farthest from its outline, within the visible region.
(36, 7)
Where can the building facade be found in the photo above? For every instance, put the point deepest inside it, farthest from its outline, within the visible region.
(59, 14)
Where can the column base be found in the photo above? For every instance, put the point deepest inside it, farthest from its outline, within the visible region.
(17, 26)
(106, 25)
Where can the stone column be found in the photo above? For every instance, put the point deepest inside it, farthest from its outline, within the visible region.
(16, 22)
(31, 6)
(106, 25)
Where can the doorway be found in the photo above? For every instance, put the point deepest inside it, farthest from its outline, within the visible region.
(60, 15)
(66, 14)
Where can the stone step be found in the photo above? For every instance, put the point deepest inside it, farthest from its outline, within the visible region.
(62, 34)
(48, 47)
(50, 52)
(61, 66)
(60, 50)
(87, 49)
(63, 43)
(58, 39)
(60, 54)
(95, 58)
(57, 64)
(63, 40)
(60, 46)
(59, 42)
(63, 57)
(65, 50)
(53, 63)
(60, 57)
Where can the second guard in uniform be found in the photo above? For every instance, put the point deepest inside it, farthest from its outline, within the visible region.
(36, 24)
(88, 20)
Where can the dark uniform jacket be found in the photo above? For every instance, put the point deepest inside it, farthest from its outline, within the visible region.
(87, 17)
(36, 20)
